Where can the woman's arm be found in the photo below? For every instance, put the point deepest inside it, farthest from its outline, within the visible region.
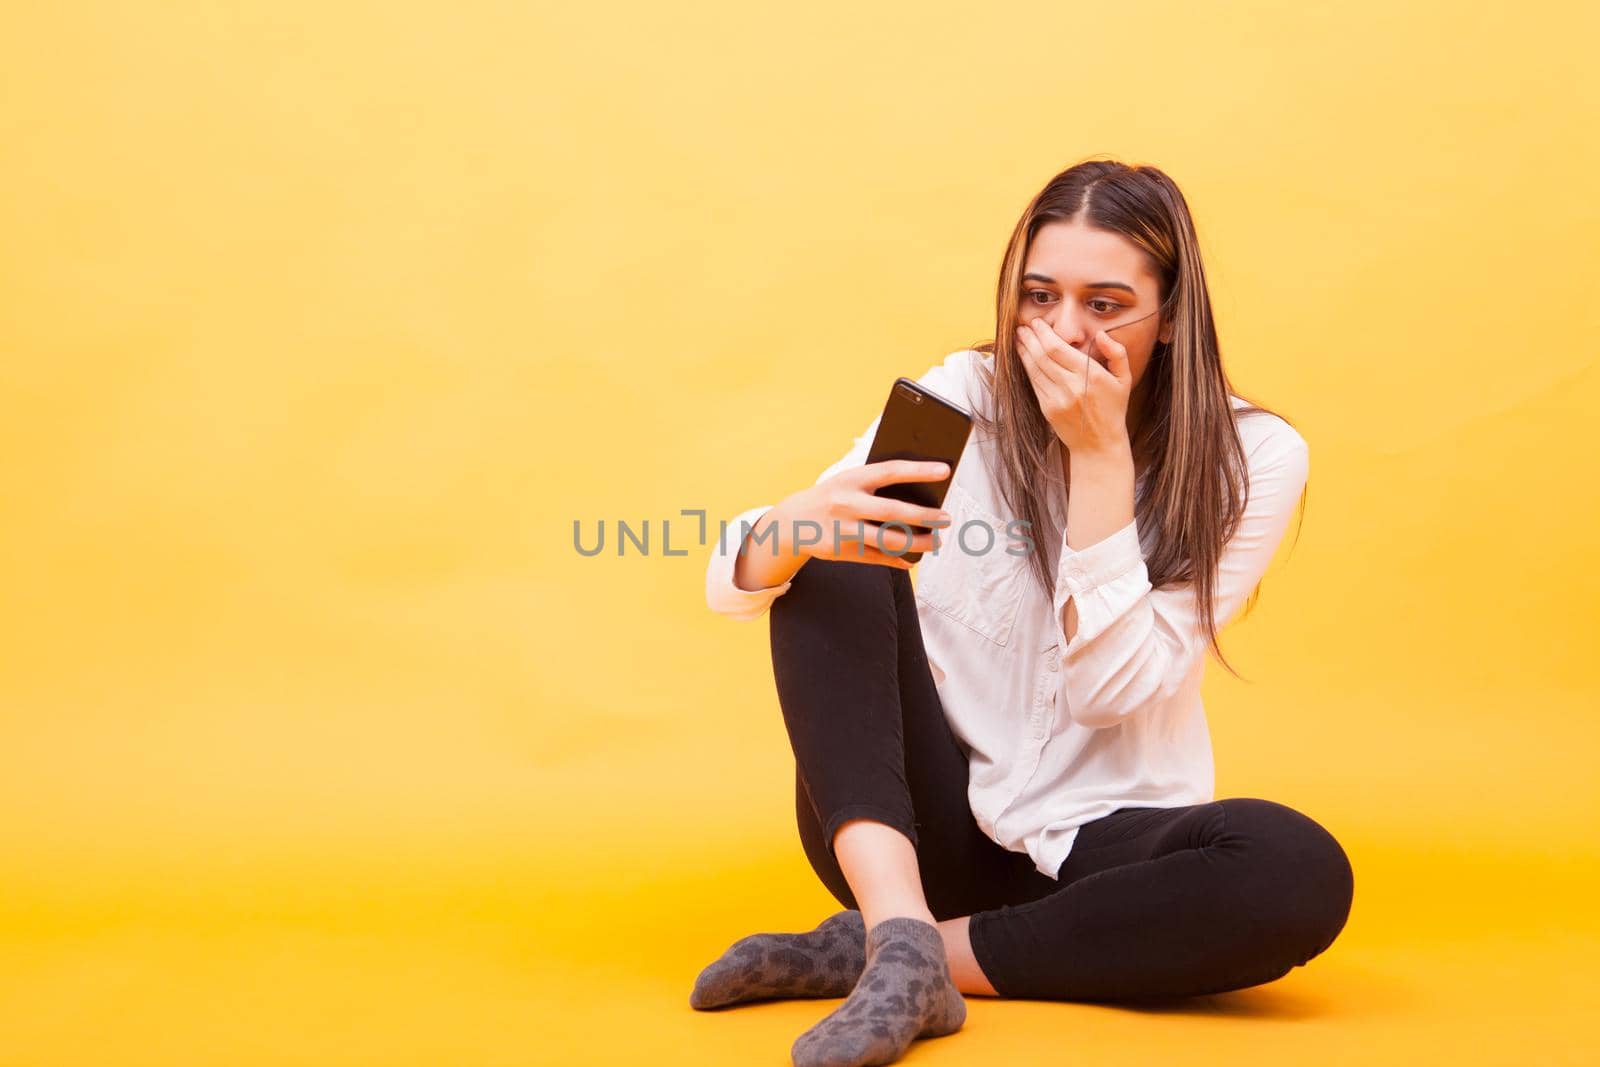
(745, 574)
(1133, 646)
(1100, 504)
(767, 561)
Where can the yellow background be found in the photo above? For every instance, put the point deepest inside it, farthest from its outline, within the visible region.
(323, 323)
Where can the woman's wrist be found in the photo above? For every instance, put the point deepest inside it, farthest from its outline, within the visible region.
(768, 556)
(1113, 458)
(1110, 459)
(1100, 499)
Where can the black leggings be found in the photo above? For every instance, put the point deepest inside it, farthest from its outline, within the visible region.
(1152, 902)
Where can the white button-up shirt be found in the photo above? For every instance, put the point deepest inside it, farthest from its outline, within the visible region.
(1059, 733)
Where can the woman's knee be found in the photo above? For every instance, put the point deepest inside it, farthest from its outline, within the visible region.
(841, 574)
(838, 590)
(1304, 879)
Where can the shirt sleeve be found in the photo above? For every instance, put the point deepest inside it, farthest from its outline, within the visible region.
(949, 378)
(1134, 645)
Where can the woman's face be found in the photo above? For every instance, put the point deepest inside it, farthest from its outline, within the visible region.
(1081, 280)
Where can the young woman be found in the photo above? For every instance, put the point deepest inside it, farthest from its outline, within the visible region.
(1004, 771)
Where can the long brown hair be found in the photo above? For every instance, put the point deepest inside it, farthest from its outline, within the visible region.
(1194, 491)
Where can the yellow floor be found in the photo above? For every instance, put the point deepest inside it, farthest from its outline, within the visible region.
(413, 961)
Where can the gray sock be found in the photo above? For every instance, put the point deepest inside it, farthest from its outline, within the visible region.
(824, 962)
(904, 993)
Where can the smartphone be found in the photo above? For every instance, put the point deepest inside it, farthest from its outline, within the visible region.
(919, 424)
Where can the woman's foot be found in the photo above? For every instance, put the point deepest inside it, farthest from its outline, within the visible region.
(824, 962)
(904, 993)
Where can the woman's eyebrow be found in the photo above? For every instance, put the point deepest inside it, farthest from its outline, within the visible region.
(1031, 276)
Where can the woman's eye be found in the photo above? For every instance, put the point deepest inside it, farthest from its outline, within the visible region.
(1043, 296)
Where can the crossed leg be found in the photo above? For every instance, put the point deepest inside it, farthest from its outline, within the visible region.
(1152, 902)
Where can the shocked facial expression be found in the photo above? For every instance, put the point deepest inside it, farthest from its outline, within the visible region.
(1081, 280)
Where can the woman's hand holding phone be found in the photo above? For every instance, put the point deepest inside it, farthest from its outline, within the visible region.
(847, 499)
(805, 521)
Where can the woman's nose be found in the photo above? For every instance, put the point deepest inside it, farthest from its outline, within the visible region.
(1070, 329)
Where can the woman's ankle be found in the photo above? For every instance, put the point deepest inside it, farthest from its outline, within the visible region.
(873, 916)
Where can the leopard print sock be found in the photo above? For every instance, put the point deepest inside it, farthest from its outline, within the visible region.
(905, 992)
(824, 962)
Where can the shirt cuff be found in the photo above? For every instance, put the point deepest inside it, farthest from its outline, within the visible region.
(1099, 564)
